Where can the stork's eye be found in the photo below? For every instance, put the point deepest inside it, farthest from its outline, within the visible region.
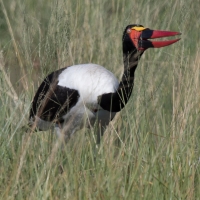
(128, 30)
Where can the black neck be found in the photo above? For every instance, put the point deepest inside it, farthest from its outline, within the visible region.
(114, 102)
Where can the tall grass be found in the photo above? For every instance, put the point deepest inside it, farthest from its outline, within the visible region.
(150, 150)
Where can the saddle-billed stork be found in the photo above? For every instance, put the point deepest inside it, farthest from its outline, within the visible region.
(83, 94)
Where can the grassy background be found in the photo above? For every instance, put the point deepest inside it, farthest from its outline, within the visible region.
(150, 151)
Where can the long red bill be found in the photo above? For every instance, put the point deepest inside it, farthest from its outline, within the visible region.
(144, 43)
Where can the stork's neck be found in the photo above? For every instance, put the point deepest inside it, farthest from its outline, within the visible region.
(131, 60)
(114, 102)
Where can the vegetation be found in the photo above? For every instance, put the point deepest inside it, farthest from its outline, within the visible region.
(151, 149)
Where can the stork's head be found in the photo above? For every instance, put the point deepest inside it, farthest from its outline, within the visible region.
(137, 36)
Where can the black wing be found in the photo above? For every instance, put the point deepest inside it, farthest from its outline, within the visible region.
(52, 101)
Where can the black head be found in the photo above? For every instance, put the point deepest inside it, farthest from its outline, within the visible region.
(125, 35)
(128, 45)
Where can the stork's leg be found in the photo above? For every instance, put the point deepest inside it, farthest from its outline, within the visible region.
(58, 130)
(103, 120)
(100, 131)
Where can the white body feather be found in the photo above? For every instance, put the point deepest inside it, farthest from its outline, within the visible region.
(90, 80)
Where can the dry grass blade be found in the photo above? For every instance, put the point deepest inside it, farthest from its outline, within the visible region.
(13, 93)
(24, 81)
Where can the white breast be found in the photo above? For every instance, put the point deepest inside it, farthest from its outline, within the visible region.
(90, 80)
